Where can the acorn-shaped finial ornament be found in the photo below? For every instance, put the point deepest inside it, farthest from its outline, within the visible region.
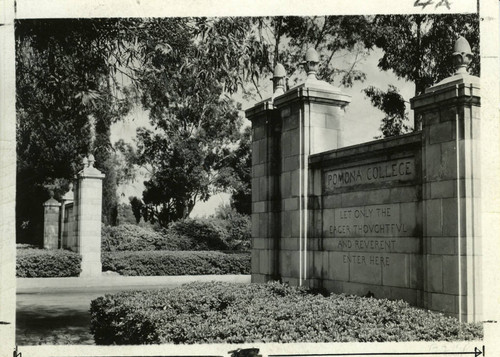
(462, 55)
(311, 62)
(91, 160)
(279, 78)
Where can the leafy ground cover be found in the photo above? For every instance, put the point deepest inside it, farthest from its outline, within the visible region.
(157, 263)
(42, 263)
(237, 313)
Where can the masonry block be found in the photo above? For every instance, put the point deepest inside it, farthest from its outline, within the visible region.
(441, 132)
(450, 217)
(434, 222)
(443, 302)
(397, 273)
(435, 273)
(443, 189)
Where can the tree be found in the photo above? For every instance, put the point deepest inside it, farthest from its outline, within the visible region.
(196, 148)
(137, 207)
(417, 48)
(237, 173)
(65, 80)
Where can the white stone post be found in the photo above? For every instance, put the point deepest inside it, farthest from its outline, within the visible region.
(67, 199)
(51, 223)
(89, 208)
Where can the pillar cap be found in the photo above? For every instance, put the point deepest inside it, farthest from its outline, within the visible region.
(88, 168)
(51, 202)
(462, 57)
(69, 196)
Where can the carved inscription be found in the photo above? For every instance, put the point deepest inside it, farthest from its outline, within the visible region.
(367, 221)
(357, 228)
(400, 170)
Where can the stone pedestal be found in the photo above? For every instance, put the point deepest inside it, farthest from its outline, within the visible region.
(449, 113)
(51, 224)
(89, 208)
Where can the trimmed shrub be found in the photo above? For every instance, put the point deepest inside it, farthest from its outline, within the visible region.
(237, 225)
(41, 263)
(187, 234)
(129, 237)
(244, 313)
(206, 234)
(156, 263)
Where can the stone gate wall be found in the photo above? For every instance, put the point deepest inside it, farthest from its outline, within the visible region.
(367, 226)
(395, 218)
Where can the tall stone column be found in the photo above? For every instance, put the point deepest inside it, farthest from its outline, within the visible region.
(51, 223)
(266, 166)
(89, 208)
(449, 113)
(286, 129)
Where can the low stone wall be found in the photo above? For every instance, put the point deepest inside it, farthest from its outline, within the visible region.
(366, 224)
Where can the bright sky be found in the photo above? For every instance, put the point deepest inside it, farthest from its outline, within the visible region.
(362, 121)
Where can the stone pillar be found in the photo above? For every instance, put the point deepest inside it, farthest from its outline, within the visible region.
(89, 208)
(66, 222)
(449, 113)
(307, 119)
(265, 191)
(51, 223)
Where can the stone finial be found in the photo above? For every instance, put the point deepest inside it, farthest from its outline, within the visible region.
(279, 78)
(69, 196)
(91, 160)
(462, 55)
(311, 62)
(85, 162)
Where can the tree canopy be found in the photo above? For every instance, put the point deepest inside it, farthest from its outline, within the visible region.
(417, 48)
(184, 72)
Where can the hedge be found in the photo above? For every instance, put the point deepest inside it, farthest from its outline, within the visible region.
(204, 233)
(149, 263)
(41, 263)
(199, 234)
(245, 313)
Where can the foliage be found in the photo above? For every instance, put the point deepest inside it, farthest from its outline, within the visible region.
(417, 48)
(129, 237)
(196, 145)
(238, 226)
(230, 233)
(393, 105)
(125, 214)
(161, 263)
(41, 263)
(412, 51)
(273, 312)
(137, 207)
(238, 173)
(206, 234)
(65, 79)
